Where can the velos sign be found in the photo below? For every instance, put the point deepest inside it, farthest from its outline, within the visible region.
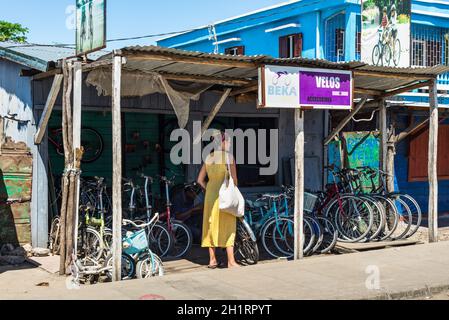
(292, 87)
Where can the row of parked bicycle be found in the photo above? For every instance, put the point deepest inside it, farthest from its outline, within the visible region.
(355, 207)
(148, 237)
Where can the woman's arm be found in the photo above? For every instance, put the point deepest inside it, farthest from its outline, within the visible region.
(202, 177)
(234, 171)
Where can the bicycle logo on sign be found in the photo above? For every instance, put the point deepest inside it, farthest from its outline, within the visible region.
(282, 78)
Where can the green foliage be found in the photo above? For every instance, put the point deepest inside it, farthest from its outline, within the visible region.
(12, 32)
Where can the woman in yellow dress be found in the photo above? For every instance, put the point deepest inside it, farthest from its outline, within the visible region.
(219, 228)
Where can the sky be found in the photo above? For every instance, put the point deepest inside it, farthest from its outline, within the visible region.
(48, 20)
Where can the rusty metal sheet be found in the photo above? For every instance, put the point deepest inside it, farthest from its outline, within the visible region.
(16, 168)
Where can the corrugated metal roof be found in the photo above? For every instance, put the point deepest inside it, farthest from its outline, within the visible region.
(181, 63)
(37, 56)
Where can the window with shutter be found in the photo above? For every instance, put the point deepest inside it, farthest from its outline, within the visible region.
(418, 155)
(291, 46)
(235, 51)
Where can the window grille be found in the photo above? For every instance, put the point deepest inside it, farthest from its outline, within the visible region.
(334, 38)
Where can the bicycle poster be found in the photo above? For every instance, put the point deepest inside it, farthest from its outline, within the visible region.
(386, 34)
(90, 26)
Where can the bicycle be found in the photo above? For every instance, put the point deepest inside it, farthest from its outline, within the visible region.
(381, 52)
(181, 235)
(137, 245)
(91, 140)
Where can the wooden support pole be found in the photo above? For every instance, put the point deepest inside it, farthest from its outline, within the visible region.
(299, 186)
(117, 169)
(345, 121)
(391, 152)
(2, 133)
(52, 96)
(77, 112)
(433, 164)
(384, 134)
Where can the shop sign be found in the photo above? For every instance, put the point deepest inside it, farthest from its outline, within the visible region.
(292, 87)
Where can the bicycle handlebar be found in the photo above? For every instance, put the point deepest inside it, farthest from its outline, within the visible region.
(142, 226)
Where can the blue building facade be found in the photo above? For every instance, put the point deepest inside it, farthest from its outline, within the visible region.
(331, 30)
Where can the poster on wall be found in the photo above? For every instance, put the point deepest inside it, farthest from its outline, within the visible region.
(90, 26)
(293, 87)
(386, 33)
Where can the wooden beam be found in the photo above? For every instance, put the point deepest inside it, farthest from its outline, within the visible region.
(299, 186)
(433, 164)
(51, 99)
(407, 89)
(212, 115)
(200, 60)
(411, 130)
(100, 64)
(116, 169)
(393, 75)
(345, 121)
(247, 89)
(233, 82)
(369, 92)
(48, 74)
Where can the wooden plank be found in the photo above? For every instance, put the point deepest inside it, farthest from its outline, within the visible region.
(48, 74)
(212, 114)
(344, 122)
(299, 186)
(52, 96)
(433, 165)
(365, 246)
(117, 169)
(247, 89)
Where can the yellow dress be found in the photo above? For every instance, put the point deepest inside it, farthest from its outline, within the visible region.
(219, 228)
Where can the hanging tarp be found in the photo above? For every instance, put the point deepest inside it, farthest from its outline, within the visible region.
(139, 84)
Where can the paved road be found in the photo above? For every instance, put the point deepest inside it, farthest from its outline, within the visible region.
(391, 273)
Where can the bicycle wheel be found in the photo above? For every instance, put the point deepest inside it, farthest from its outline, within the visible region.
(246, 249)
(54, 236)
(376, 55)
(128, 267)
(378, 217)
(397, 52)
(149, 266)
(93, 145)
(404, 218)
(182, 240)
(330, 235)
(415, 210)
(316, 228)
(386, 55)
(391, 217)
(160, 240)
(90, 244)
(309, 238)
(353, 218)
(273, 229)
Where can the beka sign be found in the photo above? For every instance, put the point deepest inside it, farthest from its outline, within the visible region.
(291, 87)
